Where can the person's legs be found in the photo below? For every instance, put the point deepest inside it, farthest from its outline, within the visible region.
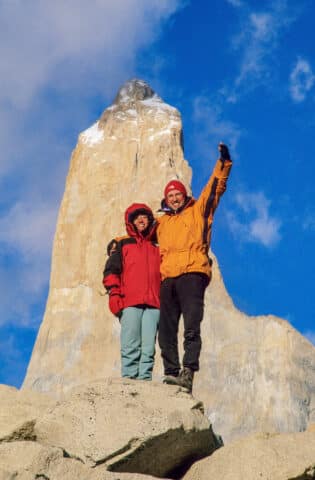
(149, 325)
(130, 341)
(190, 289)
(168, 327)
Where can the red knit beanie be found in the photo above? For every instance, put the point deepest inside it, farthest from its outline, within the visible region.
(175, 185)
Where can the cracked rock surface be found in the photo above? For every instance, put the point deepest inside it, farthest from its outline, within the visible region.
(260, 457)
(115, 429)
(32, 461)
(128, 426)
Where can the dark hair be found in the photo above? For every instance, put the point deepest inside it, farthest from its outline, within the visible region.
(140, 211)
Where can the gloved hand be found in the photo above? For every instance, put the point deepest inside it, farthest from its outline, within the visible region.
(115, 301)
(224, 152)
(115, 304)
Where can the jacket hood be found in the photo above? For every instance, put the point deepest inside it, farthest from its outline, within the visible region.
(131, 213)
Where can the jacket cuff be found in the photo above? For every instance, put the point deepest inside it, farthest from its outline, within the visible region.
(111, 280)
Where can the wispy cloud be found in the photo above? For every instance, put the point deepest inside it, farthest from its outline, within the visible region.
(252, 221)
(56, 59)
(235, 3)
(28, 228)
(256, 44)
(71, 44)
(26, 234)
(72, 50)
(212, 126)
(302, 80)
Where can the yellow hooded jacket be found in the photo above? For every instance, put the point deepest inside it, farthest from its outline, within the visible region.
(184, 237)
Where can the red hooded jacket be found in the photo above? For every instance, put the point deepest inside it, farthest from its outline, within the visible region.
(132, 270)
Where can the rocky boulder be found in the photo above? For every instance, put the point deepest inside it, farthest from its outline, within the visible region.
(32, 461)
(137, 428)
(260, 457)
(128, 426)
(18, 412)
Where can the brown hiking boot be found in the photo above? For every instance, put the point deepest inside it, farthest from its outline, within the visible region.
(186, 378)
(171, 379)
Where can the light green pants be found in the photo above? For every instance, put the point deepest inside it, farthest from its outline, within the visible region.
(137, 341)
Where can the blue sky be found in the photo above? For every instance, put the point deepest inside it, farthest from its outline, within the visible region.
(238, 71)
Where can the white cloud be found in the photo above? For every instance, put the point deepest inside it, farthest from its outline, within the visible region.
(56, 59)
(21, 288)
(68, 43)
(257, 39)
(256, 43)
(302, 80)
(29, 228)
(26, 233)
(252, 222)
(63, 53)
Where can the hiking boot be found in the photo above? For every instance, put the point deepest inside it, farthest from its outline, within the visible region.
(171, 379)
(186, 378)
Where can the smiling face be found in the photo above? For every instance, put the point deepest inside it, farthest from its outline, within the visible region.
(175, 199)
(141, 222)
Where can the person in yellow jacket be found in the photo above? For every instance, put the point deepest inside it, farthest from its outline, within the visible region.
(184, 234)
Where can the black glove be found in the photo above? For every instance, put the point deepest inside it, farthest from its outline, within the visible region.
(224, 152)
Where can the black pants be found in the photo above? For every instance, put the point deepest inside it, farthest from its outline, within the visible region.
(181, 295)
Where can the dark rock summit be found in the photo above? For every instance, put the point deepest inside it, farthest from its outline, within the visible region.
(134, 90)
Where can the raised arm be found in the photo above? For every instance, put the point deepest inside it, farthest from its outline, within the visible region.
(216, 186)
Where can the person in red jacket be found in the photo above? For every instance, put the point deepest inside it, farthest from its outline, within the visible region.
(132, 279)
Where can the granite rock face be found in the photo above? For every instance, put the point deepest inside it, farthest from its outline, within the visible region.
(125, 157)
(257, 373)
(260, 457)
